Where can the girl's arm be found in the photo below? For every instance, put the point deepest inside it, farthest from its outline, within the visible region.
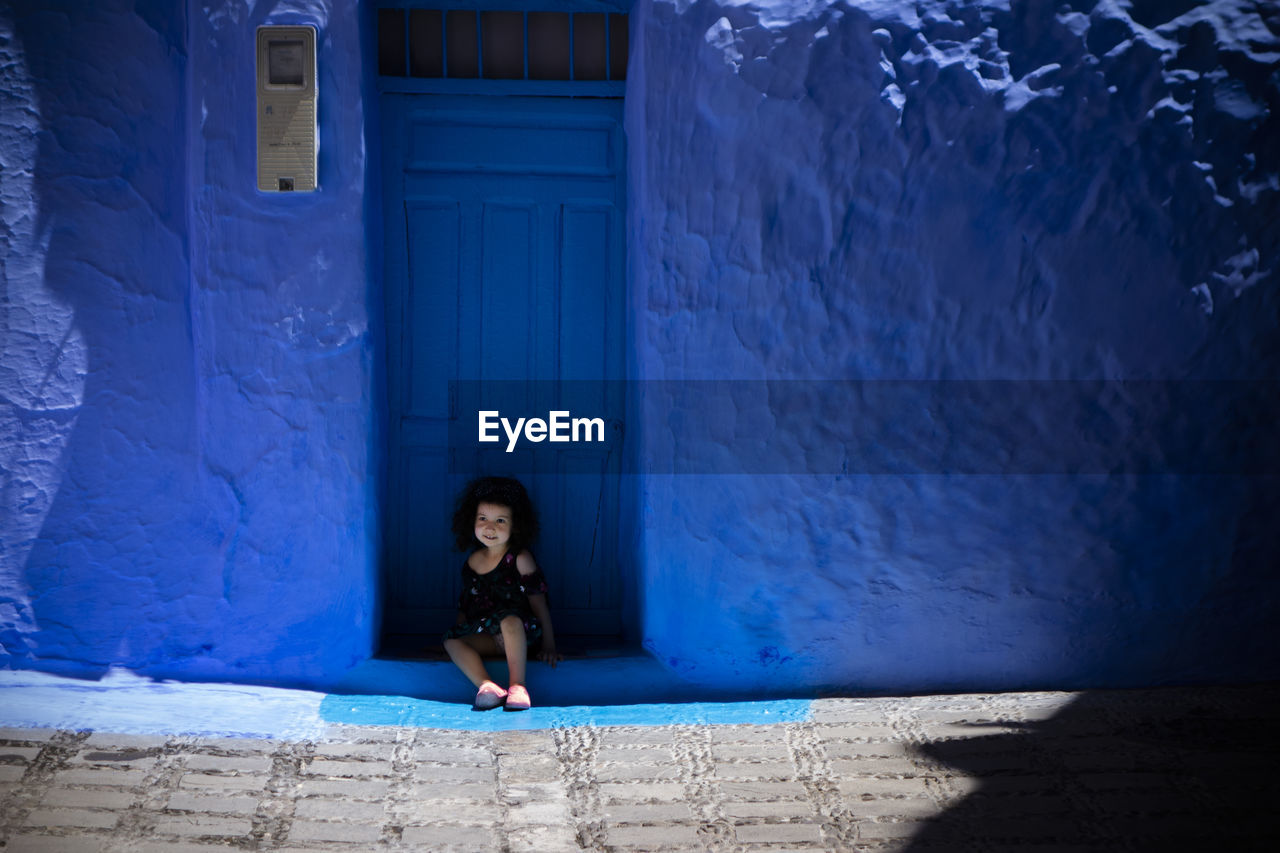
(538, 603)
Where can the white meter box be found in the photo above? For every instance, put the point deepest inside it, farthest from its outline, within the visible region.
(286, 109)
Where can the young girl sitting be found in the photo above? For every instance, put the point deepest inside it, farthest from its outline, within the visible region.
(503, 605)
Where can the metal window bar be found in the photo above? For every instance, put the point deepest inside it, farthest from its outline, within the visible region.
(426, 51)
(453, 25)
(406, 24)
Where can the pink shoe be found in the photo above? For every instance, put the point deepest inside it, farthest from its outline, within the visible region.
(517, 699)
(489, 697)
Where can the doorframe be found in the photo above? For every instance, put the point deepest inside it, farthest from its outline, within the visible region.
(374, 86)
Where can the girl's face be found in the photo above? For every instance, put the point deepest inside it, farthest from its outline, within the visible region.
(493, 525)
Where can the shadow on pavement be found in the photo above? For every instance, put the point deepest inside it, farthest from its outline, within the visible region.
(1166, 770)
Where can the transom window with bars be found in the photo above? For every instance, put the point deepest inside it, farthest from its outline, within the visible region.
(502, 45)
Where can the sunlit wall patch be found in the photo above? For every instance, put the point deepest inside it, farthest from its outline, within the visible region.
(44, 357)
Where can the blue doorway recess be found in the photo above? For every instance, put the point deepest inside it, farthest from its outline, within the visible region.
(505, 261)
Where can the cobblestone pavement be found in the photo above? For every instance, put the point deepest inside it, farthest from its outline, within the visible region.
(1134, 770)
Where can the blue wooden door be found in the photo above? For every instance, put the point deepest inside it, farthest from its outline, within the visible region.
(504, 261)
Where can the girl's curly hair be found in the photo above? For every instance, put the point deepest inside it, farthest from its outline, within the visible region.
(503, 491)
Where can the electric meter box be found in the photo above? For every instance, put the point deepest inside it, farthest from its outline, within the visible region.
(287, 109)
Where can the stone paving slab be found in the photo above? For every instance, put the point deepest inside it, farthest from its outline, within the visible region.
(1152, 770)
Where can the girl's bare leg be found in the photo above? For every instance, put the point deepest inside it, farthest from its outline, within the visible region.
(513, 639)
(465, 653)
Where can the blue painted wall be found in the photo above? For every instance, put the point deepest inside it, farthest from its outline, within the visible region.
(189, 389)
(209, 506)
(962, 191)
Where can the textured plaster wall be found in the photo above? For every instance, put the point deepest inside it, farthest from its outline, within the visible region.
(955, 190)
(98, 377)
(186, 390)
(288, 372)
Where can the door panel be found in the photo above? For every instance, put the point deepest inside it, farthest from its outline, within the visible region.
(509, 306)
(433, 292)
(504, 261)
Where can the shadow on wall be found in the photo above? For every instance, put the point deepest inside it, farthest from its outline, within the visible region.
(105, 424)
(1164, 771)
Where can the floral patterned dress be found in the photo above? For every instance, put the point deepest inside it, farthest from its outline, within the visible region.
(489, 598)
